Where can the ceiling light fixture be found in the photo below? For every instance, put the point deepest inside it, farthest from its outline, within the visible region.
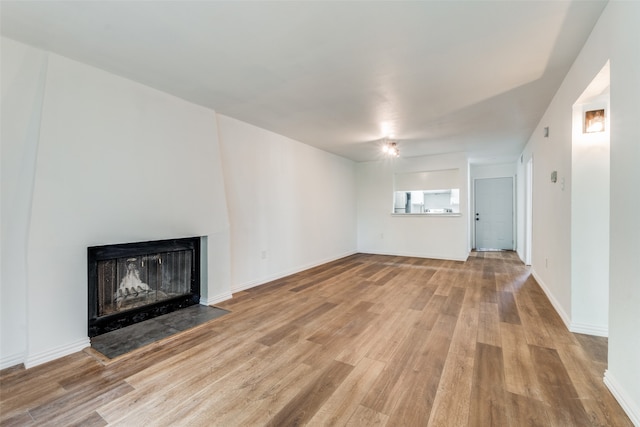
(390, 148)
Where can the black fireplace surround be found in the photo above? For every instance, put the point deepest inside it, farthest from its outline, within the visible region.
(133, 282)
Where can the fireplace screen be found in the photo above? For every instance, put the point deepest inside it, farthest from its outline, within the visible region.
(127, 283)
(133, 282)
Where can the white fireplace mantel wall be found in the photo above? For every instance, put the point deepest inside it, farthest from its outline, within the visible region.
(89, 158)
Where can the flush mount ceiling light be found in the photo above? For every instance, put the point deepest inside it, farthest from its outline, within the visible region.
(390, 148)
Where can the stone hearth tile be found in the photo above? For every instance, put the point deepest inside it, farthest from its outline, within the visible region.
(121, 341)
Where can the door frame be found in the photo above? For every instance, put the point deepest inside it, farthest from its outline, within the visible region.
(472, 209)
(528, 211)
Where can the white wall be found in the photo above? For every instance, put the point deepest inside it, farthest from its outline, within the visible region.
(115, 161)
(623, 374)
(590, 218)
(616, 36)
(23, 76)
(551, 257)
(89, 158)
(380, 232)
(292, 205)
(499, 170)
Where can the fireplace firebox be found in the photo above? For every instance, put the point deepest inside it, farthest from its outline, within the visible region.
(133, 282)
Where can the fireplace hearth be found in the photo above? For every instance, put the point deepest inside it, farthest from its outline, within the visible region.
(133, 282)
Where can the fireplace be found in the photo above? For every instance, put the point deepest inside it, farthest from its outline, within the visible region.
(133, 282)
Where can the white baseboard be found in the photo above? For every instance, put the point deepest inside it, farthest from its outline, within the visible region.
(11, 360)
(417, 255)
(584, 328)
(254, 283)
(628, 405)
(56, 353)
(578, 328)
(280, 275)
(554, 302)
(216, 299)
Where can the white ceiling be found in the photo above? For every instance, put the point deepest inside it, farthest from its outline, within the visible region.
(440, 76)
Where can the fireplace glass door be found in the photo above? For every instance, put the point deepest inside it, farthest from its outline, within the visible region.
(130, 282)
(133, 282)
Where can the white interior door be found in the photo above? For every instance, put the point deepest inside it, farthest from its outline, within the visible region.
(494, 213)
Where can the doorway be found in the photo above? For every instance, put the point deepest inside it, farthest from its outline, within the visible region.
(494, 213)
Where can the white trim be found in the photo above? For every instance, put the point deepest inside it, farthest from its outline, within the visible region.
(56, 353)
(554, 302)
(578, 328)
(216, 299)
(528, 212)
(11, 360)
(420, 255)
(280, 275)
(585, 328)
(429, 214)
(514, 207)
(628, 405)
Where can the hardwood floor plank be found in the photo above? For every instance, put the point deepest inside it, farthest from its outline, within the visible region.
(364, 340)
(92, 420)
(22, 419)
(273, 395)
(488, 406)
(387, 278)
(18, 378)
(357, 347)
(364, 416)
(419, 382)
(342, 404)
(422, 298)
(453, 303)
(519, 370)
(465, 333)
(507, 308)
(202, 392)
(431, 312)
(549, 317)
(76, 406)
(489, 324)
(302, 408)
(150, 395)
(394, 332)
(452, 401)
(29, 397)
(234, 395)
(524, 411)
(535, 330)
(565, 406)
(586, 371)
(172, 369)
(38, 386)
(383, 395)
(284, 330)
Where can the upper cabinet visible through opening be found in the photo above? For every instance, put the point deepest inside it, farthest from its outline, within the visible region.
(427, 201)
(427, 192)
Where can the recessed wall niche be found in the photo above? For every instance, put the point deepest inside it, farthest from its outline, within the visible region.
(590, 193)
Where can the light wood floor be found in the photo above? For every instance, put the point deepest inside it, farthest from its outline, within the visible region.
(366, 340)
